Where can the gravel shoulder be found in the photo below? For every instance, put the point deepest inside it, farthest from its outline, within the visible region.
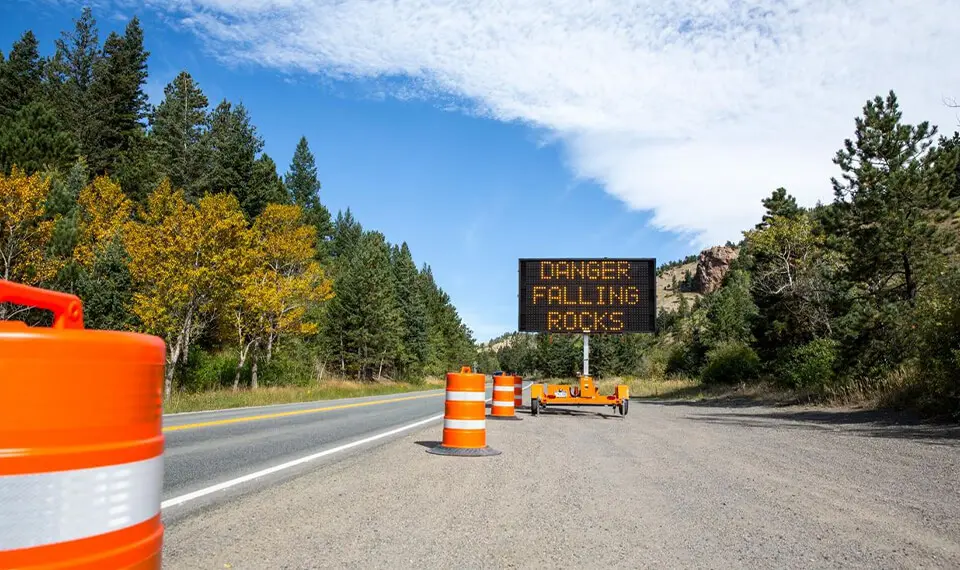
(672, 485)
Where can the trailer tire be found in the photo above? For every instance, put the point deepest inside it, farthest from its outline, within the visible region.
(624, 407)
(535, 406)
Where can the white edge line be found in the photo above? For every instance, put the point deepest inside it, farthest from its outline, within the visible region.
(270, 470)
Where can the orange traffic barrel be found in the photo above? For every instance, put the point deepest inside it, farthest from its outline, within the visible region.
(517, 392)
(464, 418)
(502, 408)
(81, 441)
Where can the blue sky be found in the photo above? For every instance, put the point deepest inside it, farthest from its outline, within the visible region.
(511, 143)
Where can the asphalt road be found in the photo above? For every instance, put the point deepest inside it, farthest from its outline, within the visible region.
(207, 452)
(669, 486)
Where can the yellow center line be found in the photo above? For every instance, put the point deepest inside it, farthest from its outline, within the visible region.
(294, 413)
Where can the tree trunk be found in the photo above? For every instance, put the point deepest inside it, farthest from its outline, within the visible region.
(908, 279)
(240, 362)
(180, 346)
(270, 346)
(172, 361)
(322, 366)
(253, 378)
(168, 380)
(186, 340)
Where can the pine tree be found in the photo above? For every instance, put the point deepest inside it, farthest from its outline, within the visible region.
(779, 203)
(557, 355)
(136, 170)
(71, 77)
(177, 132)
(66, 189)
(106, 289)
(234, 144)
(363, 319)
(435, 361)
(304, 189)
(683, 308)
(62, 208)
(31, 136)
(20, 76)
(346, 234)
(264, 187)
(413, 313)
(888, 225)
(121, 104)
(730, 311)
(889, 208)
(34, 140)
(950, 160)
(449, 342)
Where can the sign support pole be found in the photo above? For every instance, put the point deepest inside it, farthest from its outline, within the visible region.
(586, 354)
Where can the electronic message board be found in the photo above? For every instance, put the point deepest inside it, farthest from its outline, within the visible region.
(595, 296)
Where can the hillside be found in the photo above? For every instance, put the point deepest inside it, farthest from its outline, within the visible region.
(667, 297)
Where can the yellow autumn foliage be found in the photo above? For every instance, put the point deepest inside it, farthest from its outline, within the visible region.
(186, 262)
(24, 233)
(291, 277)
(104, 209)
(283, 281)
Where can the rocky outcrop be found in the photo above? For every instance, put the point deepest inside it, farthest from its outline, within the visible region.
(712, 267)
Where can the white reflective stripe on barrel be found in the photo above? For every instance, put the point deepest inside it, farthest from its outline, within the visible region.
(46, 508)
(466, 396)
(465, 424)
(503, 389)
(503, 404)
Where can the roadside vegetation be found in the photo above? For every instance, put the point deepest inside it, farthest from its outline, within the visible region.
(855, 300)
(171, 220)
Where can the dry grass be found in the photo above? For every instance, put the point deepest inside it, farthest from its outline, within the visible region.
(328, 390)
(651, 387)
(693, 390)
(900, 391)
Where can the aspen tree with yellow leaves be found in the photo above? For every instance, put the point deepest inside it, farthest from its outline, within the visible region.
(185, 261)
(283, 282)
(24, 231)
(104, 209)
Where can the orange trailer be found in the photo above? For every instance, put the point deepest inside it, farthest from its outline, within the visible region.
(584, 393)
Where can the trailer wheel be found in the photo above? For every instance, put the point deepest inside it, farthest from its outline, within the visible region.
(535, 406)
(624, 407)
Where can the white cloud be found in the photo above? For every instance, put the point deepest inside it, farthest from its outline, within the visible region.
(695, 109)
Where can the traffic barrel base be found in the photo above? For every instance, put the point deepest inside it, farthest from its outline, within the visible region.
(464, 451)
(464, 421)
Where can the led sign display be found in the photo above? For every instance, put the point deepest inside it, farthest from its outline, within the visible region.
(595, 296)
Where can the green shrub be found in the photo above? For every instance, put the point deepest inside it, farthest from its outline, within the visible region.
(294, 363)
(731, 362)
(937, 333)
(655, 362)
(681, 360)
(809, 366)
(209, 371)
